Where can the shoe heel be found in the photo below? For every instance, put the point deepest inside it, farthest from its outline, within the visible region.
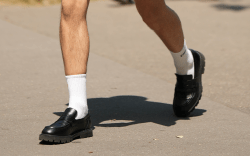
(203, 69)
(202, 63)
(86, 133)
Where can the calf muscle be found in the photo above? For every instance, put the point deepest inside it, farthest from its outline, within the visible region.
(164, 21)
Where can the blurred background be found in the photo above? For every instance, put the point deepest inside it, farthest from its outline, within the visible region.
(30, 2)
(47, 2)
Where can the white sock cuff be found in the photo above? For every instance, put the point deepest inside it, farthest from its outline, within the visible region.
(75, 76)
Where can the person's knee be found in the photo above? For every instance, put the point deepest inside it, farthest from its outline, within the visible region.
(74, 8)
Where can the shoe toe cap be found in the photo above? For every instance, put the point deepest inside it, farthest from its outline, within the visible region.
(48, 130)
(59, 131)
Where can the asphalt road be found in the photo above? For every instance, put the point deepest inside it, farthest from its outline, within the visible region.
(130, 82)
(219, 29)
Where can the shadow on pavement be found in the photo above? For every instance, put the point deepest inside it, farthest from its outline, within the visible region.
(121, 111)
(50, 143)
(120, 3)
(230, 7)
(124, 2)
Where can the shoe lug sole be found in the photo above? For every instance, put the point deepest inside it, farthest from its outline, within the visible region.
(66, 139)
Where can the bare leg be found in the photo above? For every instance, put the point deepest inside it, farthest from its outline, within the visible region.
(74, 36)
(75, 50)
(189, 63)
(163, 21)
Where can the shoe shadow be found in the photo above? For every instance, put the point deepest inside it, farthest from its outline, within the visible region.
(121, 111)
(125, 2)
(48, 143)
(121, 3)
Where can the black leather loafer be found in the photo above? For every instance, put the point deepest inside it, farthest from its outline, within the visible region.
(66, 128)
(188, 91)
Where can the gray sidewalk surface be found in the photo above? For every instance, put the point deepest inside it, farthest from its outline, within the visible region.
(219, 29)
(131, 108)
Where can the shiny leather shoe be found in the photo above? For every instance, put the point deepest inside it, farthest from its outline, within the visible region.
(188, 91)
(66, 128)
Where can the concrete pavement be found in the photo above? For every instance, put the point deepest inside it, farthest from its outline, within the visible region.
(131, 110)
(219, 29)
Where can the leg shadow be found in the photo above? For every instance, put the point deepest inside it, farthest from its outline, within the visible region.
(125, 2)
(122, 3)
(230, 7)
(121, 111)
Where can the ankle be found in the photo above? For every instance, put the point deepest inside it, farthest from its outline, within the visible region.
(184, 61)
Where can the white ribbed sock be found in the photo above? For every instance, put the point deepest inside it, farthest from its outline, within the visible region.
(77, 94)
(184, 61)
